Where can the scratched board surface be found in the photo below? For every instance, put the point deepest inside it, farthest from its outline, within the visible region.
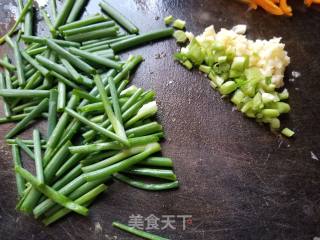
(238, 180)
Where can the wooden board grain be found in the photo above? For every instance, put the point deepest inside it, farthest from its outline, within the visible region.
(238, 180)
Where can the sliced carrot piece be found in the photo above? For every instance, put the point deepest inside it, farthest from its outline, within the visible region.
(285, 7)
(269, 6)
(308, 2)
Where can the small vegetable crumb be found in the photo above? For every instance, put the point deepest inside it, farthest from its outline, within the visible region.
(168, 20)
(287, 132)
(179, 24)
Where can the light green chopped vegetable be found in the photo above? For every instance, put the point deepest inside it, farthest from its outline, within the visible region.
(287, 132)
(180, 36)
(168, 20)
(179, 24)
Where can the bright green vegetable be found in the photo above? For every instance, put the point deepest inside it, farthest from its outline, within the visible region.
(17, 162)
(116, 123)
(123, 165)
(168, 20)
(64, 13)
(18, 21)
(180, 36)
(51, 193)
(76, 62)
(18, 59)
(7, 65)
(76, 10)
(287, 132)
(146, 186)
(89, 28)
(29, 117)
(95, 34)
(37, 155)
(137, 232)
(86, 199)
(95, 58)
(142, 39)
(24, 147)
(151, 172)
(117, 16)
(83, 22)
(179, 24)
(157, 162)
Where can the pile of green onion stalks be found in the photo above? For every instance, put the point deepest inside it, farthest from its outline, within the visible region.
(99, 128)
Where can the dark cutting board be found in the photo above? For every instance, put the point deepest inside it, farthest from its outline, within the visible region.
(238, 180)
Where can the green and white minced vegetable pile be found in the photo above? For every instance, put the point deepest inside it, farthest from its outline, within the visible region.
(250, 72)
(98, 127)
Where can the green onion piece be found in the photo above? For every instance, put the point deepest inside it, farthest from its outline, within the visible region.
(18, 59)
(104, 173)
(287, 132)
(37, 155)
(52, 119)
(86, 199)
(64, 13)
(228, 87)
(7, 65)
(152, 172)
(76, 10)
(146, 186)
(179, 24)
(51, 193)
(83, 22)
(95, 34)
(76, 62)
(24, 147)
(30, 116)
(116, 123)
(142, 39)
(117, 16)
(180, 36)
(137, 232)
(157, 162)
(17, 162)
(168, 20)
(19, 20)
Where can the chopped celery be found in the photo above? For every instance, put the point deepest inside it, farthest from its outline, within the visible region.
(179, 24)
(287, 132)
(180, 36)
(168, 20)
